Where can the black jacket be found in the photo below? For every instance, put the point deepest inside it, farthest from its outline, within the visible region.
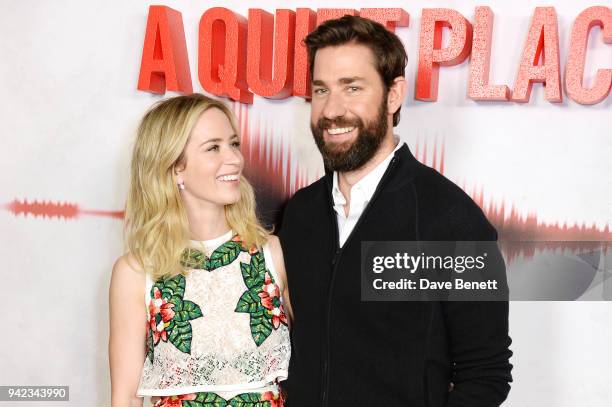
(352, 353)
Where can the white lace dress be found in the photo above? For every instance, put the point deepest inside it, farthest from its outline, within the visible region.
(218, 334)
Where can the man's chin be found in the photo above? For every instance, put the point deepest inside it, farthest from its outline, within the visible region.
(337, 148)
(336, 160)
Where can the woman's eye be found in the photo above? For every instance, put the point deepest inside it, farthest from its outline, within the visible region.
(236, 144)
(213, 148)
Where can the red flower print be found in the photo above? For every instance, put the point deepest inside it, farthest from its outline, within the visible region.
(159, 305)
(174, 401)
(278, 316)
(268, 293)
(270, 287)
(266, 300)
(252, 250)
(270, 299)
(160, 312)
(273, 397)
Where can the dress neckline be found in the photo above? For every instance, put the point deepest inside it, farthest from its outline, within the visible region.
(213, 243)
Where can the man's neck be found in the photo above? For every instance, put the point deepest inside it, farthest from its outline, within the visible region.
(347, 179)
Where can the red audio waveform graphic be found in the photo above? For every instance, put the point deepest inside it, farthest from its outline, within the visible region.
(48, 209)
(437, 161)
(275, 174)
(270, 167)
(268, 159)
(523, 235)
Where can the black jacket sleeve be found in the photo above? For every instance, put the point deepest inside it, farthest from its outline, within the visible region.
(478, 330)
(480, 352)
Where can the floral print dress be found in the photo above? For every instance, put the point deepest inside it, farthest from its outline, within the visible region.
(217, 336)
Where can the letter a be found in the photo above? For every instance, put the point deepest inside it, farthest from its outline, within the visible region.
(164, 65)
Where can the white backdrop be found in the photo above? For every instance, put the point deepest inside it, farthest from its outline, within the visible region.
(68, 113)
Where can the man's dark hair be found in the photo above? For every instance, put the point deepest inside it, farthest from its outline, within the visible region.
(389, 53)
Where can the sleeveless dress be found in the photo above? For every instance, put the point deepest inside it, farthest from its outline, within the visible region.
(217, 336)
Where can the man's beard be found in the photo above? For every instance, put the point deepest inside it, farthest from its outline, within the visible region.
(349, 156)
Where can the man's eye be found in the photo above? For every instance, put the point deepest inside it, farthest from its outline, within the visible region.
(319, 91)
(353, 88)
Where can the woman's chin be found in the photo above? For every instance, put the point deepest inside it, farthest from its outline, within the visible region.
(230, 199)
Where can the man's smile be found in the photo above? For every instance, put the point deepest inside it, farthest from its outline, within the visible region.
(340, 130)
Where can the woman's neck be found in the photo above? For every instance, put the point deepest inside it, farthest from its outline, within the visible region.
(206, 220)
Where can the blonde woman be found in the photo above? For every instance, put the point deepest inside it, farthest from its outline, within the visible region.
(198, 304)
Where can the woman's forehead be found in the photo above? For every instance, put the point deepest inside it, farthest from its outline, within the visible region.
(212, 124)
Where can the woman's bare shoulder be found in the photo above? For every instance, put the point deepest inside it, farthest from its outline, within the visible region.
(127, 272)
(276, 250)
(273, 242)
(277, 255)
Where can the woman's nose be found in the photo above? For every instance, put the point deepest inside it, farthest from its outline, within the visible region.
(232, 156)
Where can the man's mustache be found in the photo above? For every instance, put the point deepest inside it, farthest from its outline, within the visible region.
(325, 123)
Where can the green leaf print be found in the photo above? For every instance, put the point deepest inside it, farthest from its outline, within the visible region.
(167, 306)
(150, 345)
(257, 262)
(258, 302)
(194, 259)
(171, 288)
(205, 399)
(186, 311)
(248, 400)
(181, 336)
(221, 256)
(249, 302)
(169, 325)
(261, 327)
(252, 276)
(224, 255)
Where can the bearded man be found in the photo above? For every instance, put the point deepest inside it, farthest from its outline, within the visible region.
(348, 352)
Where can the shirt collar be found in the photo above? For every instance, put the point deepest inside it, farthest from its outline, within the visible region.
(363, 189)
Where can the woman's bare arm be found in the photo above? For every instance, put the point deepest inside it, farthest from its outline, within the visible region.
(128, 321)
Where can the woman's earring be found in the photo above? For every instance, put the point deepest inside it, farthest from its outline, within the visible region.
(181, 185)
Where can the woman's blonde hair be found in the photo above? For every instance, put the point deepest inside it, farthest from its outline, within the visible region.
(156, 225)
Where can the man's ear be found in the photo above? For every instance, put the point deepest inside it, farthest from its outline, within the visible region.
(396, 94)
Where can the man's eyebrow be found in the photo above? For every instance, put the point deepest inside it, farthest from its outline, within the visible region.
(346, 81)
(342, 81)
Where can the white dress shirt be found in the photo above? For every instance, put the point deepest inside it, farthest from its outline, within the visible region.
(360, 194)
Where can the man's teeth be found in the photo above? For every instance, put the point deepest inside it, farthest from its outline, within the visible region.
(228, 178)
(340, 130)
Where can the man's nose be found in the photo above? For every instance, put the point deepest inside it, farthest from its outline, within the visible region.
(334, 106)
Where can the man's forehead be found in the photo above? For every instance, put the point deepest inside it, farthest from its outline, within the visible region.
(342, 62)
